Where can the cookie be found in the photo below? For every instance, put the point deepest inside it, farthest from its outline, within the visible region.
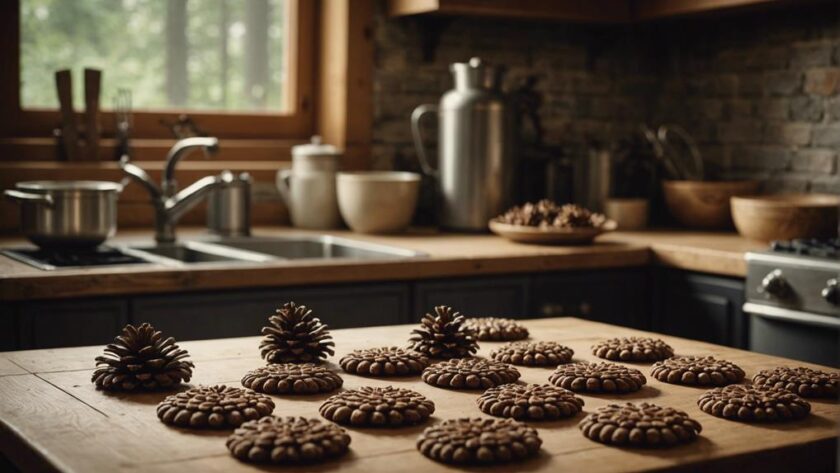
(805, 382)
(479, 441)
(287, 441)
(598, 378)
(697, 371)
(213, 407)
(530, 402)
(469, 373)
(533, 354)
(639, 425)
(632, 349)
(377, 407)
(292, 378)
(387, 361)
(496, 329)
(754, 403)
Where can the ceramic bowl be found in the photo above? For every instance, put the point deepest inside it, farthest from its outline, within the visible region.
(377, 201)
(786, 216)
(704, 204)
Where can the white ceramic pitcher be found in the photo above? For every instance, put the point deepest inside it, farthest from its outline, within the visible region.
(309, 188)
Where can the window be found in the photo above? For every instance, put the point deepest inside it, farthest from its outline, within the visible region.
(218, 61)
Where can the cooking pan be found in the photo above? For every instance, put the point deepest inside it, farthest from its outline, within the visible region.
(67, 214)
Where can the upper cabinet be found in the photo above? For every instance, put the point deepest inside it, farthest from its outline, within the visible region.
(590, 11)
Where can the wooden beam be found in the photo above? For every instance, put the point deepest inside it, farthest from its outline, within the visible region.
(597, 11)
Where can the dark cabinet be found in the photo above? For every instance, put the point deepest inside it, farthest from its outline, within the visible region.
(479, 297)
(700, 307)
(360, 305)
(53, 324)
(8, 331)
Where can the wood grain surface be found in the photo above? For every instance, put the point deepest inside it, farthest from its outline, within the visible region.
(52, 418)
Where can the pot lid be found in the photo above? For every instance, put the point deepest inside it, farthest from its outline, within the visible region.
(315, 148)
(68, 186)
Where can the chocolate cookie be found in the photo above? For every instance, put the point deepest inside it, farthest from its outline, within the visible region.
(533, 353)
(496, 329)
(754, 403)
(529, 402)
(632, 349)
(213, 407)
(697, 371)
(598, 378)
(469, 373)
(377, 407)
(292, 378)
(479, 441)
(287, 440)
(387, 361)
(639, 425)
(805, 382)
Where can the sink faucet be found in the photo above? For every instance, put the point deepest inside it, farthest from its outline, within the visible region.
(169, 203)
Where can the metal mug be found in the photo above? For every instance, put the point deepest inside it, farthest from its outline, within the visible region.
(56, 214)
(229, 206)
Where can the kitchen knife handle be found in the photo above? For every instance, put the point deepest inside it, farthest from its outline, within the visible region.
(93, 82)
(69, 134)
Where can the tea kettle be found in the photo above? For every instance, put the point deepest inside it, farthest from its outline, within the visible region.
(475, 147)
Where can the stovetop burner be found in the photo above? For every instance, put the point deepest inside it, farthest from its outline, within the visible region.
(814, 247)
(70, 258)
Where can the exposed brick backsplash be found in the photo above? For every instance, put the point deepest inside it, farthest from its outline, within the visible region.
(759, 91)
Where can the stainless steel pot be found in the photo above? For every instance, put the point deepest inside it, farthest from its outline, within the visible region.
(67, 213)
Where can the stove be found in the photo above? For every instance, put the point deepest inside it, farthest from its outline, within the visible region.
(51, 260)
(793, 298)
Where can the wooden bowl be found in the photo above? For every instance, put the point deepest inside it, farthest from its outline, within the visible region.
(786, 216)
(549, 236)
(704, 204)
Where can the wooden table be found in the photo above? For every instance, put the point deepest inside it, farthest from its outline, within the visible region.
(52, 418)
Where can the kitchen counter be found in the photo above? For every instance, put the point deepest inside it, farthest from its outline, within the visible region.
(52, 418)
(449, 255)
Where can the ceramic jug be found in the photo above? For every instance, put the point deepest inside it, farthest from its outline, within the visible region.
(309, 188)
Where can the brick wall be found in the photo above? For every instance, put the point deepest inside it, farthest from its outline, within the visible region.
(760, 92)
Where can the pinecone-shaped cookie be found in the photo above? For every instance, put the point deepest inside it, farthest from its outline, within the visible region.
(295, 336)
(803, 381)
(141, 359)
(287, 441)
(386, 361)
(479, 441)
(443, 335)
(213, 407)
(377, 407)
(496, 329)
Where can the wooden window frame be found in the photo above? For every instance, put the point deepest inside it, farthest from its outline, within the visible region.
(298, 123)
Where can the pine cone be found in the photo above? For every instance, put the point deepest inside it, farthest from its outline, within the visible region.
(443, 335)
(295, 336)
(140, 358)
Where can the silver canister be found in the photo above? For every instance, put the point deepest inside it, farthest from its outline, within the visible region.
(229, 207)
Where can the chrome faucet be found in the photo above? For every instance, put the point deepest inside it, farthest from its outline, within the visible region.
(170, 204)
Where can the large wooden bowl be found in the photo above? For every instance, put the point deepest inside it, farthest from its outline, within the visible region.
(704, 204)
(786, 216)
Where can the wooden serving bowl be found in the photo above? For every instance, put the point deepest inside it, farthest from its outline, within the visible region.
(704, 204)
(786, 216)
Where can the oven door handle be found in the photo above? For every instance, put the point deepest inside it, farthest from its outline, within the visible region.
(787, 315)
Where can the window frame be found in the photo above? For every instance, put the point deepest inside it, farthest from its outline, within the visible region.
(295, 124)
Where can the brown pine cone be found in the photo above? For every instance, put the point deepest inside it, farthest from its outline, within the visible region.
(496, 329)
(469, 373)
(287, 441)
(754, 403)
(214, 407)
(533, 354)
(529, 402)
(479, 441)
(805, 382)
(295, 336)
(697, 371)
(292, 378)
(141, 359)
(387, 361)
(377, 407)
(633, 349)
(597, 378)
(642, 425)
(443, 335)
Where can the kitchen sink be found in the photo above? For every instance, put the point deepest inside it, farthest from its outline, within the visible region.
(193, 252)
(316, 247)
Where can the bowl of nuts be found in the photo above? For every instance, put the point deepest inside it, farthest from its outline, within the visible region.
(548, 223)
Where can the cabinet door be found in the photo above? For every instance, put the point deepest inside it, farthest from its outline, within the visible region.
(700, 307)
(497, 297)
(52, 324)
(361, 305)
(9, 333)
(614, 296)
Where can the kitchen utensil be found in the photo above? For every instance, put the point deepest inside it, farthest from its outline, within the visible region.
(309, 187)
(377, 201)
(123, 122)
(627, 213)
(786, 216)
(681, 150)
(474, 177)
(594, 178)
(549, 236)
(659, 153)
(69, 133)
(704, 204)
(93, 81)
(55, 214)
(229, 207)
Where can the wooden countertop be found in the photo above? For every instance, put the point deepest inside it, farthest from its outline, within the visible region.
(52, 418)
(449, 255)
